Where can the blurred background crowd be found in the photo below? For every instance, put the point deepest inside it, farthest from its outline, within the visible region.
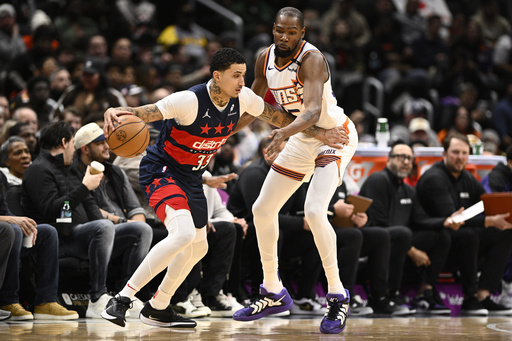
(430, 67)
(448, 63)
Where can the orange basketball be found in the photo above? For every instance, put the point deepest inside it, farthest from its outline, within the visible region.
(130, 137)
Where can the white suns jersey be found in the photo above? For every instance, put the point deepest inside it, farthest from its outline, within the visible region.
(284, 84)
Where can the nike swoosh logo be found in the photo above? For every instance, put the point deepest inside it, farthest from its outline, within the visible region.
(108, 317)
(276, 303)
(270, 68)
(232, 113)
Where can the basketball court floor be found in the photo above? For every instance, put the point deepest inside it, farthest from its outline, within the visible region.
(283, 329)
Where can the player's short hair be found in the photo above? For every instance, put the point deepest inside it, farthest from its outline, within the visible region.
(52, 135)
(291, 12)
(224, 58)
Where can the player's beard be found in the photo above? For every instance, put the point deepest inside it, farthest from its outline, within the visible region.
(285, 53)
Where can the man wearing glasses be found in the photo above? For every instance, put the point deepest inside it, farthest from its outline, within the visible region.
(414, 235)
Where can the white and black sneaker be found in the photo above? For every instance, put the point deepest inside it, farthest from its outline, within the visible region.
(358, 307)
(471, 307)
(219, 305)
(164, 318)
(430, 303)
(115, 311)
(385, 306)
(495, 309)
(307, 306)
(4, 314)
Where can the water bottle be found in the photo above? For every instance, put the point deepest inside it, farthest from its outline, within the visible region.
(382, 134)
(66, 210)
(478, 148)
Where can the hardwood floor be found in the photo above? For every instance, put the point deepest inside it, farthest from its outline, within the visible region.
(410, 328)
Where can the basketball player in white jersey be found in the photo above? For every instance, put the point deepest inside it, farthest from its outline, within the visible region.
(298, 76)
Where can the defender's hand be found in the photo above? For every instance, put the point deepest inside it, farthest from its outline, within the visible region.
(335, 137)
(278, 137)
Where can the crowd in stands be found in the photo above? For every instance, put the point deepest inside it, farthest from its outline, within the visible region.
(63, 63)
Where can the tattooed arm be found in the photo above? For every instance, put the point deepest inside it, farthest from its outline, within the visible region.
(280, 118)
(148, 113)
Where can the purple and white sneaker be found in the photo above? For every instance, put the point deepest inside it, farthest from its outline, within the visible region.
(335, 318)
(265, 304)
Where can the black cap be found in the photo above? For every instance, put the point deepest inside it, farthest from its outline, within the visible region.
(92, 66)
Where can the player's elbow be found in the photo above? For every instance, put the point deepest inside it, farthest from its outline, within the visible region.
(315, 115)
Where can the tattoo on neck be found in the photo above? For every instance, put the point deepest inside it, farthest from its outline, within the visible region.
(215, 94)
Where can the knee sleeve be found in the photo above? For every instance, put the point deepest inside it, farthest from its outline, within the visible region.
(259, 209)
(200, 244)
(180, 225)
(314, 214)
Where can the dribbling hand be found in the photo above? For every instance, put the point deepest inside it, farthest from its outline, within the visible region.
(110, 116)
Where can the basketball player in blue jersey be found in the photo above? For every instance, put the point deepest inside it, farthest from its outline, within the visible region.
(197, 122)
(297, 74)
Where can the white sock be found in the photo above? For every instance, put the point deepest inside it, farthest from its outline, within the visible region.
(160, 300)
(129, 290)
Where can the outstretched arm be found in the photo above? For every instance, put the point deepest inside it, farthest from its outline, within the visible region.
(148, 113)
(335, 137)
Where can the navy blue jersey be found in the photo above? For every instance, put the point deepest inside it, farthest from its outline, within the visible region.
(181, 153)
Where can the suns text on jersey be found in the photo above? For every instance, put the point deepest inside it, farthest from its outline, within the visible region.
(288, 95)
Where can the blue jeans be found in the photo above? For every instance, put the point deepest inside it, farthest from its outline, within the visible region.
(132, 241)
(92, 241)
(47, 269)
(6, 240)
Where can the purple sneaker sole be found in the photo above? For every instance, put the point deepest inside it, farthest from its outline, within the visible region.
(266, 304)
(335, 319)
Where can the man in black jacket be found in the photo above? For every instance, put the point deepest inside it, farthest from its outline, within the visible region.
(448, 186)
(117, 202)
(48, 183)
(45, 247)
(499, 179)
(412, 233)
